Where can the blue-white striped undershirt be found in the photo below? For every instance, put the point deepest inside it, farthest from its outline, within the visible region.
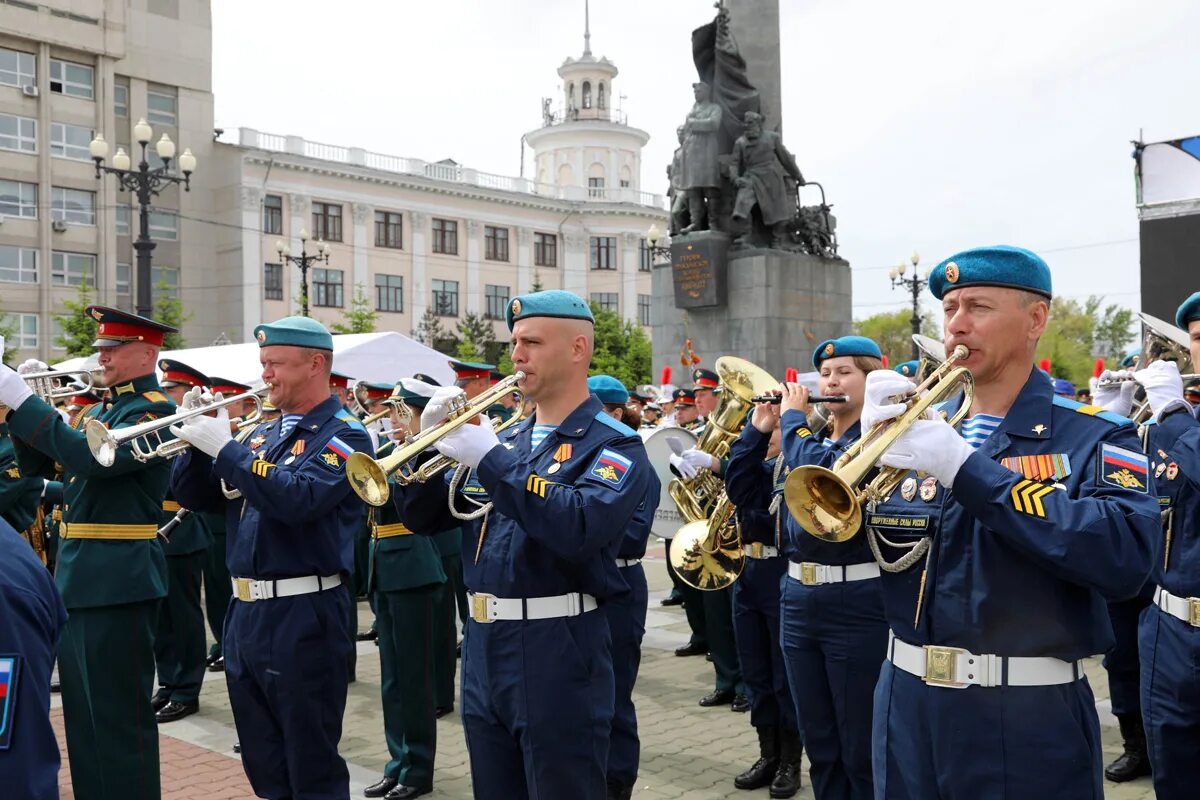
(287, 422)
(978, 428)
(538, 435)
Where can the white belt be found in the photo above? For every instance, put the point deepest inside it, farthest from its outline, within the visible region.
(250, 589)
(1184, 608)
(811, 574)
(955, 668)
(758, 550)
(628, 562)
(488, 608)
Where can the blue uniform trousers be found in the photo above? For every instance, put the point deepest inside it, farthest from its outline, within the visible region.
(998, 743)
(179, 641)
(1170, 650)
(285, 665)
(627, 623)
(1121, 662)
(834, 638)
(217, 591)
(756, 629)
(537, 702)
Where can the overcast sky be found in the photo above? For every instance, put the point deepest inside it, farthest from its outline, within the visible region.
(934, 126)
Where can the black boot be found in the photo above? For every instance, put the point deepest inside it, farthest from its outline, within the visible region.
(1133, 762)
(618, 791)
(763, 770)
(787, 777)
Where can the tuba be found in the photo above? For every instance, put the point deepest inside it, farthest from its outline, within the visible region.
(707, 552)
(827, 503)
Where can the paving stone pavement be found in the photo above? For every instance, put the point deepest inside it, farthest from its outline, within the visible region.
(688, 752)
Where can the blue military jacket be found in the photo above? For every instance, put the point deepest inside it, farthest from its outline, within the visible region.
(1173, 446)
(637, 534)
(560, 510)
(1052, 516)
(750, 485)
(297, 514)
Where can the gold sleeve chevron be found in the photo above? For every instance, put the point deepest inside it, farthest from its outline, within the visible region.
(1027, 497)
(261, 468)
(537, 485)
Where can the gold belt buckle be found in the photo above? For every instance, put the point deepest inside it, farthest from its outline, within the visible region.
(479, 610)
(756, 550)
(243, 589)
(808, 573)
(941, 666)
(1194, 611)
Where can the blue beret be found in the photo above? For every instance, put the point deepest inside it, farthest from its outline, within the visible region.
(608, 389)
(909, 368)
(550, 303)
(1190, 310)
(1131, 357)
(845, 346)
(1064, 387)
(295, 332)
(1001, 265)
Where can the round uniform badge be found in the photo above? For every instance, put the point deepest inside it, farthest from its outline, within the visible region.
(516, 307)
(553, 468)
(829, 350)
(908, 489)
(929, 488)
(952, 272)
(1172, 471)
(261, 336)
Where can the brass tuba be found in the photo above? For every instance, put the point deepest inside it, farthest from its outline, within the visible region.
(827, 503)
(707, 551)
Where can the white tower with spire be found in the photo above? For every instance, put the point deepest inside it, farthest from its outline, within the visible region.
(585, 142)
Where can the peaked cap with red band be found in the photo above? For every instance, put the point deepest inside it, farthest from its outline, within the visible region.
(118, 327)
(176, 373)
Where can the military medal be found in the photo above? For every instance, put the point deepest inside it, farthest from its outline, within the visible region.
(1172, 471)
(1160, 469)
(563, 453)
(297, 448)
(929, 488)
(257, 441)
(1043, 467)
(289, 459)
(908, 489)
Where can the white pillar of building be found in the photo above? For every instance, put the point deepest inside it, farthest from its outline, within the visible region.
(474, 247)
(629, 267)
(524, 261)
(575, 264)
(252, 269)
(362, 213)
(298, 204)
(419, 291)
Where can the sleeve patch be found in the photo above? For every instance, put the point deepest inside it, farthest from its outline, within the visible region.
(610, 468)
(536, 485)
(260, 468)
(10, 669)
(1123, 468)
(803, 433)
(1027, 497)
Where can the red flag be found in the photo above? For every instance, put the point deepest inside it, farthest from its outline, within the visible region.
(1045, 365)
(666, 375)
(1099, 368)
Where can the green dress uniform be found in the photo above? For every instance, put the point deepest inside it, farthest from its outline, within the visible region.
(112, 574)
(454, 603)
(218, 590)
(179, 652)
(20, 495)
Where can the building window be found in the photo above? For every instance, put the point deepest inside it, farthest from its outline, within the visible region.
(125, 287)
(18, 264)
(70, 269)
(67, 77)
(596, 188)
(495, 243)
(389, 293)
(643, 309)
(17, 68)
(389, 229)
(26, 337)
(327, 287)
(18, 199)
(601, 100)
(18, 133)
(445, 238)
(624, 183)
(123, 214)
(164, 225)
(273, 214)
(72, 206)
(545, 250)
(272, 281)
(604, 252)
(497, 301)
(70, 141)
(587, 94)
(445, 298)
(121, 99)
(161, 105)
(606, 300)
(164, 281)
(327, 222)
(645, 261)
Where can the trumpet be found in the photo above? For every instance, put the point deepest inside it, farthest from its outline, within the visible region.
(775, 399)
(104, 443)
(369, 477)
(43, 383)
(827, 503)
(402, 408)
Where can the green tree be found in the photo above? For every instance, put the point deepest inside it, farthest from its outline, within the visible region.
(8, 331)
(476, 337)
(622, 349)
(78, 329)
(431, 333)
(892, 331)
(168, 309)
(537, 282)
(361, 317)
(1079, 333)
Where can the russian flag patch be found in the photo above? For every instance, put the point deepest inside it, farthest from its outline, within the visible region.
(335, 453)
(1125, 469)
(610, 468)
(9, 669)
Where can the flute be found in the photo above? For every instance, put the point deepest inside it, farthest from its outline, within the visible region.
(775, 399)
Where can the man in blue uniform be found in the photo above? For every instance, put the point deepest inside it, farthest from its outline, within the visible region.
(290, 540)
(997, 569)
(537, 686)
(31, 618)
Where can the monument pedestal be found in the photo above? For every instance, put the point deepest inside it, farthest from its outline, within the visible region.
(777, 307)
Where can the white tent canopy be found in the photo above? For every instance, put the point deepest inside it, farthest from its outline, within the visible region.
(378, 357)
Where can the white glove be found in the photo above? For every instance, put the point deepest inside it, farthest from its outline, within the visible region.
(31, 365)
(13, 390)
(691, 461)
(930, 445)
(196, 397)
(1163, 385)
(1114, 392)
(206, 434)
(879, 403)
(468, 444)
(438, 407)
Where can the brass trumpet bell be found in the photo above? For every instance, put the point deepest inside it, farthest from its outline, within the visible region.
(706, 561)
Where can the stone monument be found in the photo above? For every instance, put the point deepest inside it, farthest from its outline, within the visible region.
(753, 272)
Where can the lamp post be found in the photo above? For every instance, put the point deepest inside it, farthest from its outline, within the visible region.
(303, 261)
(144, 182)
(918, 281)
(653, 236)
